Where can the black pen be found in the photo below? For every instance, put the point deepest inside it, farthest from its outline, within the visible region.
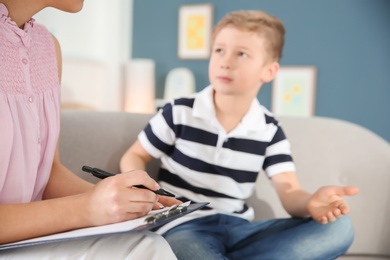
(103, 174)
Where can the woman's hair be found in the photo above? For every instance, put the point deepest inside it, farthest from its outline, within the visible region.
(266, 25)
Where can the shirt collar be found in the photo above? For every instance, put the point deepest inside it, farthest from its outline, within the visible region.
(204, 108)
(204, 104)
(16, 35)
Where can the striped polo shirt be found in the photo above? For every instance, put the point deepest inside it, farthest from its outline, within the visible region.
(202, 162)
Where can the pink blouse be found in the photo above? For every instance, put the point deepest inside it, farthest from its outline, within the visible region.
(29, 109)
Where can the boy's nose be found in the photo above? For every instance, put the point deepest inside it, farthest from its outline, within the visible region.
(226, 63)
(223, 66)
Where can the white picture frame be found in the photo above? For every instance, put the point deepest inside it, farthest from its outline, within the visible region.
(293, 91)
(195, 25)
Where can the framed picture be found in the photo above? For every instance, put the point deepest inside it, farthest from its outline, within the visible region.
(293, 91)
(195, 24)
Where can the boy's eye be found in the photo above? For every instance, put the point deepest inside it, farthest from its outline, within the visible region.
(218, 50)
(243, 54)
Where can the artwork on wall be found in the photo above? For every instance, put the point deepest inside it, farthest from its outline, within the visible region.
(195, 24)
(293, 91)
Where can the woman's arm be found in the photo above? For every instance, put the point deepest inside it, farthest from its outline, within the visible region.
(63, 182)
(28, 220)
(112, 200)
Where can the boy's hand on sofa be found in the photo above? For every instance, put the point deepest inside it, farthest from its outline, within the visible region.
(327, 204)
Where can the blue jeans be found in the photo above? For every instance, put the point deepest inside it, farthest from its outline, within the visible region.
(227, 237)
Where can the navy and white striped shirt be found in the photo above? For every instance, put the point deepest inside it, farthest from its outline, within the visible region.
(202, 162)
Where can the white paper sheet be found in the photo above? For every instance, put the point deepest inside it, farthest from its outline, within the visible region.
(121, 227)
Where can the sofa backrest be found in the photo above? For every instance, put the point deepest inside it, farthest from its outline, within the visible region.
(326, 152)
(99, 139)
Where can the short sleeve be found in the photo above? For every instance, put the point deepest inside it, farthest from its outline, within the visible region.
(278, 158)
(158, 137)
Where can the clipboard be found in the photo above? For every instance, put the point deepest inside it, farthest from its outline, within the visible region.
(151, 222)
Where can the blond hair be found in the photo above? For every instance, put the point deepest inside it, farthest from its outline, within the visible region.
(266, 25)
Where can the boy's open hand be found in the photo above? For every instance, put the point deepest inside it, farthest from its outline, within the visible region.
(327, 204)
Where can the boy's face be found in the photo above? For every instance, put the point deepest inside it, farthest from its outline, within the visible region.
(239, 64)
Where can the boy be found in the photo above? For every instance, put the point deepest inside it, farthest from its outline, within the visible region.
(212, 146)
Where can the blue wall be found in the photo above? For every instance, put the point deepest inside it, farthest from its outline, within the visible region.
(348, 41)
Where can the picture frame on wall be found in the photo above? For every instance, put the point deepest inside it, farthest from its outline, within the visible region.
(293, 91)
(194, 36)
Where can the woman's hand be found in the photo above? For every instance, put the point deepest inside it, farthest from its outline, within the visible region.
(164, 201)
(114, 199)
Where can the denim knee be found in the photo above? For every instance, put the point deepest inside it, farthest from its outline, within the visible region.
(342, 231)
(187, 244)
(327, 241)
(336, 238)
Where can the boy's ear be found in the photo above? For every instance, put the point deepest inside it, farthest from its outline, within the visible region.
(270, 72)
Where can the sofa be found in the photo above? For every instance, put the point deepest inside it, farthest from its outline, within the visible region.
(326, 152)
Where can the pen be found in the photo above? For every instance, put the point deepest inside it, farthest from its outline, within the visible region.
(103, 174)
